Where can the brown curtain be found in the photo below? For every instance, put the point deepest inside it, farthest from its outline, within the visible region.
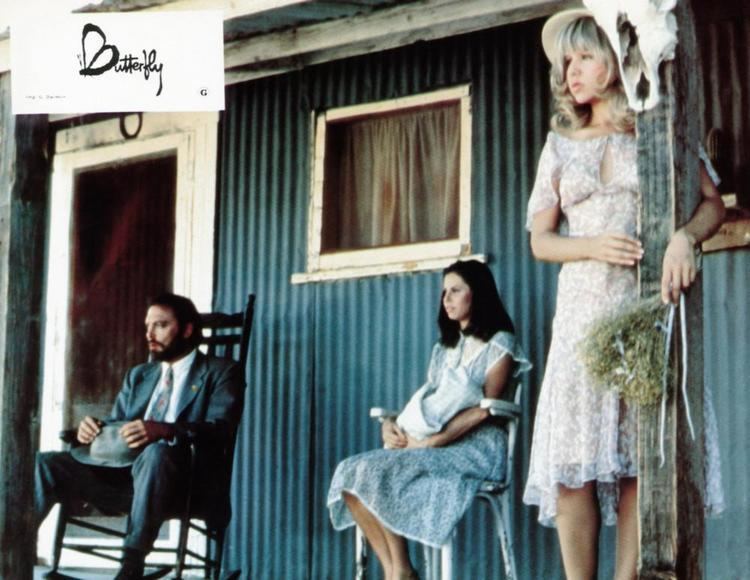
(392, 179)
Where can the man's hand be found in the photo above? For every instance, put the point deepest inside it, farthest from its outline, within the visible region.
(393, 437)
(88, 429)
(139, 433)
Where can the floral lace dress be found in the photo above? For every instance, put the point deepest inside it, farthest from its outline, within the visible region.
(583, 433)
(421, 494)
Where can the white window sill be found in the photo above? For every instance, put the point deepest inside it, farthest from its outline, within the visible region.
(368, 270)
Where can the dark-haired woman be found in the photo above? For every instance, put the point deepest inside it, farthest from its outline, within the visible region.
(441, 446)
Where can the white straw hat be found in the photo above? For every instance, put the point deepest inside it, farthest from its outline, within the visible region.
(554, 24)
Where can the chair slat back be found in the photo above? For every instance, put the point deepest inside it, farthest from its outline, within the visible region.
(228, 335)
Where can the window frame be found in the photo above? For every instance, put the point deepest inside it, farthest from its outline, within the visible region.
(416, 256)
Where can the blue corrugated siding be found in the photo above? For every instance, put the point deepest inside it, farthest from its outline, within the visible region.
(263, 167)
(727, 369)
(322, 354)
(727, 309)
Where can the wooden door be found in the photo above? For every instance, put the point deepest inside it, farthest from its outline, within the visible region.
(122, 253)
(129, 217)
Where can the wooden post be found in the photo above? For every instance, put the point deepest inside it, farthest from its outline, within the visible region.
(24, 174)
(671, 497)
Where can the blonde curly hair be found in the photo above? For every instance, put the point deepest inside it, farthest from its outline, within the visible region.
(584, 34)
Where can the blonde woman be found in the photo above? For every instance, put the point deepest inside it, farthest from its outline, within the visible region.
(583, 214)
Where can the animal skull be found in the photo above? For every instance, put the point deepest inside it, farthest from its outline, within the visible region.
(643, 33)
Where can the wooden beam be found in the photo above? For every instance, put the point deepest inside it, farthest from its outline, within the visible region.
(671, 497)
(230, 8)
(405, 23)
(24, 170)
(400, 25)
(735, 231)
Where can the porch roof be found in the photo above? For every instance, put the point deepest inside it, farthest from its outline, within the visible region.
(268, 37)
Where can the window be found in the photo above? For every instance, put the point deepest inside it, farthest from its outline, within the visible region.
(391, 186)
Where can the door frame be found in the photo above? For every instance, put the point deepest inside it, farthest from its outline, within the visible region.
(193, 137)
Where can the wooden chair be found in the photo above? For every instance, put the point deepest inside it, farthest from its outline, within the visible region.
(495, 493)
(228, 336)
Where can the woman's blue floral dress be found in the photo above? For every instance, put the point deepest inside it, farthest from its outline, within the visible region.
(421, 494)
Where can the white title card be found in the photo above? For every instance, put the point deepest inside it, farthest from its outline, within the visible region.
(118, 62)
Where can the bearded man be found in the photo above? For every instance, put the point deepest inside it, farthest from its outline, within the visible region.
(180, 396)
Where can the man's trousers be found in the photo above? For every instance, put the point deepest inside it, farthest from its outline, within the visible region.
(150, 490)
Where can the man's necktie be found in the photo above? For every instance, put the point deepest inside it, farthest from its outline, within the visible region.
(159, 410)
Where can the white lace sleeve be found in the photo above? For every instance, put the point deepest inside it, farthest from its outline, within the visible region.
(544, 195)
(504, 343)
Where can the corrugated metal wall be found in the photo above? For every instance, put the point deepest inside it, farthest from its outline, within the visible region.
(260, 240)
(727, 369)
(322, 354)
(726, 49)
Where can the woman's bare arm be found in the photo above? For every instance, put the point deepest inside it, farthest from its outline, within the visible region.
(466, 420)
(548, 245)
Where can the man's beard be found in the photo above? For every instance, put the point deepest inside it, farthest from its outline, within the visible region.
(176, 349)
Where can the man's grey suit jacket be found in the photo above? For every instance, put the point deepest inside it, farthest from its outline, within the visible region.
(211, 403)
(208, 414)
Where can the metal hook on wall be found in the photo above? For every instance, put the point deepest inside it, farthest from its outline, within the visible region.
(123, 129)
